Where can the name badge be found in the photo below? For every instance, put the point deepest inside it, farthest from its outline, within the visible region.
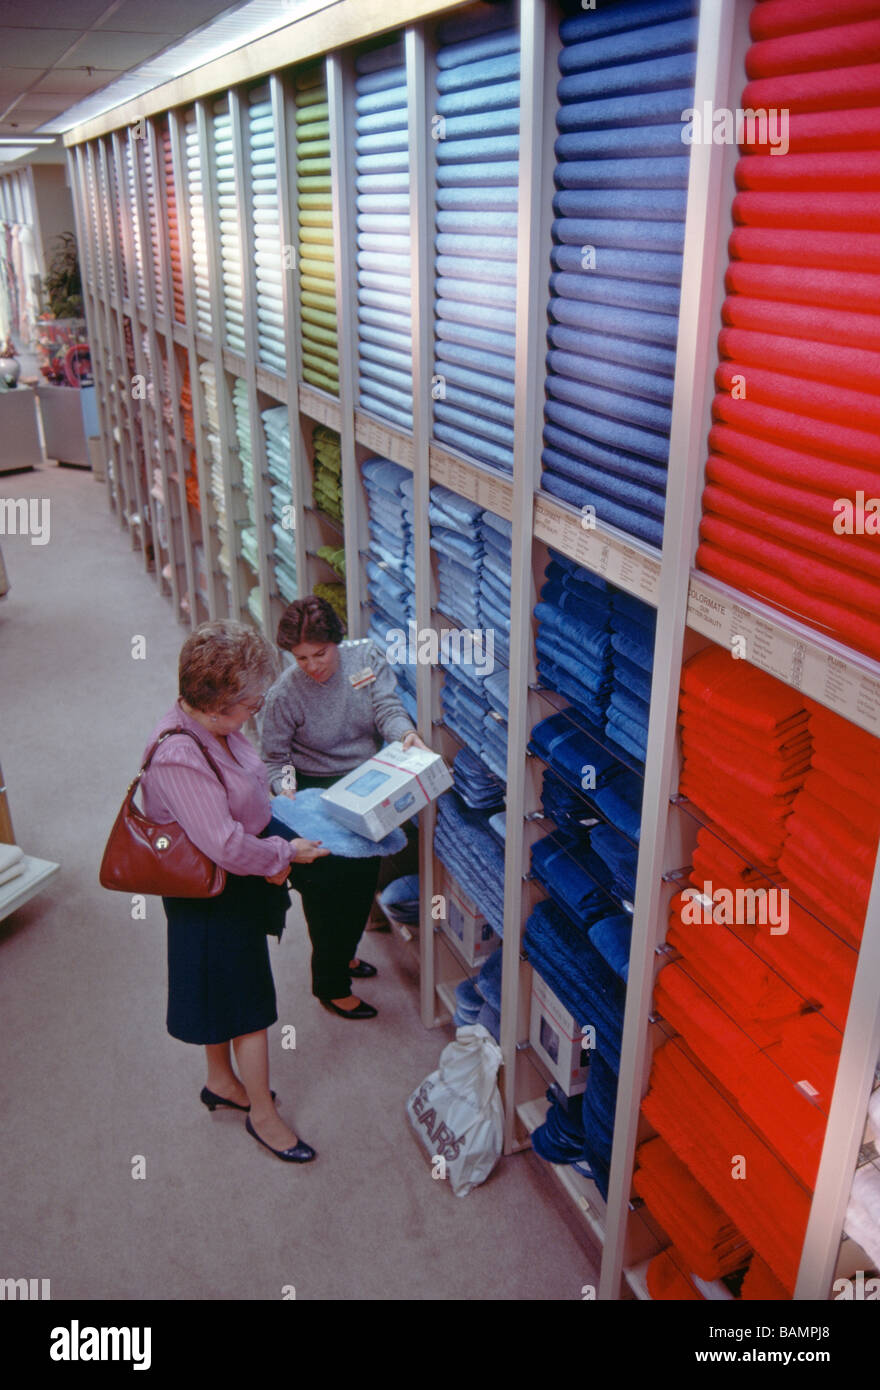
(362, 678)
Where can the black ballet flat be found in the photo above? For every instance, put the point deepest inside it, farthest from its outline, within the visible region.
(363, 971)
(362, 1011)
(299, 1153)
(212, 1101)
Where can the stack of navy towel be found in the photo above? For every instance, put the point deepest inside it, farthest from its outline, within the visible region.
(633, 627)
(477, 787)
(495, 583)
(574, 637)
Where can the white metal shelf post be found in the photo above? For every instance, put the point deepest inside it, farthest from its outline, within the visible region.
(85, 244)
(421, 173)
(537, 108)
(341, 109)
(691, 405)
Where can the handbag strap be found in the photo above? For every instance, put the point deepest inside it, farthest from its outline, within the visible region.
(161, 739)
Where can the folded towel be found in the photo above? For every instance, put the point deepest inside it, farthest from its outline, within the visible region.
(308, 817)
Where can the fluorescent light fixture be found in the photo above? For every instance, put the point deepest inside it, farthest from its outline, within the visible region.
(31, 139)
(223, 35)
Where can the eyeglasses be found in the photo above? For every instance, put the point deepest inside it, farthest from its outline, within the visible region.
(251, 706)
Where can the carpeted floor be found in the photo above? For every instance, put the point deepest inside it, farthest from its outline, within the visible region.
(89, 1078)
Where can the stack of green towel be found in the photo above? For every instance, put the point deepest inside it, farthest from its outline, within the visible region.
(335, 596)
(328, 472)
(335, 558)
(320, 352)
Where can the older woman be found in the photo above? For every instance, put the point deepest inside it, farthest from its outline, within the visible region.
(323, 717)
(220, 986)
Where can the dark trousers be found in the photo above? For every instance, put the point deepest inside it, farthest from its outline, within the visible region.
(337, 895)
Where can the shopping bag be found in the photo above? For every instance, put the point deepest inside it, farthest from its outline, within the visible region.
(457, 1112)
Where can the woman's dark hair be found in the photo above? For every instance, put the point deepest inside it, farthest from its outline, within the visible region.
(308, 620)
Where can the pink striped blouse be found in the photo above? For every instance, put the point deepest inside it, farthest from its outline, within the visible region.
(180, 785)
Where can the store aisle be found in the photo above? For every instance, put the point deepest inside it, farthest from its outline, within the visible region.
(89, 1078)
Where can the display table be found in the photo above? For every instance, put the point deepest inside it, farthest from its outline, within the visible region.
(61, 410)
(20, 445)
(18, 890)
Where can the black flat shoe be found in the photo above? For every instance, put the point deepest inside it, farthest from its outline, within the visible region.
(299, 1153)
(212, 1101)
(363, 971)
(362, 1011)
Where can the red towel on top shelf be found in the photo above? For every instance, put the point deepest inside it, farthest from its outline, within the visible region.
(772, 19)
(792, 467)
(845, 625)
(815, 132)
(831, 212)
(831, 250)
(799, 321)
(802, 358)
(847, 170)
(709, 1243)
(696, 1118)
(860, 553)
(840, 46)
(837, 89)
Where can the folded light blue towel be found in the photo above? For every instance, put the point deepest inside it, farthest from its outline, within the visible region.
(308, 816)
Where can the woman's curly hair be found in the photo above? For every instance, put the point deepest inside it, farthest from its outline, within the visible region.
(223, 662)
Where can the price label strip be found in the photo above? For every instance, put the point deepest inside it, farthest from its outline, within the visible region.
(599, 551)
(318, 407)
(387, 442)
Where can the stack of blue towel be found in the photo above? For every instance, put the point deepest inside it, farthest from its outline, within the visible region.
(574, 637)
(627, 74)
(276, 427)
(456, 541)
(472, 854)
(390, 565)
(469, 714)
(633, 626)
(495, 583)
(267, 232)
(479, 998)
(476, 786)
(384, 305)
(477, 156)
(228, 199)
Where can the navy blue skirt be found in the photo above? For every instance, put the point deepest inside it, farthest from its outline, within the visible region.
(220, 983)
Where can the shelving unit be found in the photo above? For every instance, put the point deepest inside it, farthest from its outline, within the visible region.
(109, 173)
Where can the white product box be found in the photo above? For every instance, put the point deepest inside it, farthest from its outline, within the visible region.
(557, 1039)
(387, 789)
(465, 924)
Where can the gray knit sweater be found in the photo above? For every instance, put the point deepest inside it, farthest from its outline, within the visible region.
(331, 728)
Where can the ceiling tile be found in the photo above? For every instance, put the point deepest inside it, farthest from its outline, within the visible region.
(49, 14)
(26, 123)
(43, 101)
(73, 82)
(17, 79)
(105, 48)
(36, 48)
(166, 16)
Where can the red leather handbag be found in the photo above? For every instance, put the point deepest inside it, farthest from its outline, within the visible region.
(142, 856)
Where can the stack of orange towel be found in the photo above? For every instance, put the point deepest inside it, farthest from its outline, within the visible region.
(746, 748)
(708, 1241)
(831, 838)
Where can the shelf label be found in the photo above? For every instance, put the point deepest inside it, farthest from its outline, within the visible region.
(386, 442)
(319, 407)
(622, 565)
(834, 681)
(495, 494)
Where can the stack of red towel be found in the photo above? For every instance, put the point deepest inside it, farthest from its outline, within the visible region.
(668, 1281)
(746, 748)
(702, 1124)
(708, 1241)
(832, 833)
(797, 414)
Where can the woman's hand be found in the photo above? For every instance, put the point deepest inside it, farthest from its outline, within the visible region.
(412, 740)
(307, 851)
